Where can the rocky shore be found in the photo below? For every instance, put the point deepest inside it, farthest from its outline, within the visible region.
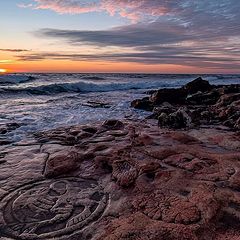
(174, 176)
(194, 104)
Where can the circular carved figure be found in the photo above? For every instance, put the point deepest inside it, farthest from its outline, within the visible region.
(52, 208)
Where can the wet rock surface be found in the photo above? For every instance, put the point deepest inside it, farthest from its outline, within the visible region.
(122, 180)
(203, 103)
(8, 127)
(5, 129)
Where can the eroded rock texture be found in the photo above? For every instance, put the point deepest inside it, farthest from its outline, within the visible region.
(122, 180)
(196, 103)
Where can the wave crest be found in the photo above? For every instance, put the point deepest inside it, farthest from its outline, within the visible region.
(86, 87)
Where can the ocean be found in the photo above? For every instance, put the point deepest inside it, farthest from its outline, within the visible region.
(44, 101)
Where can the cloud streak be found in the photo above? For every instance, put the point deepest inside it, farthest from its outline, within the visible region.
(125, 8)
(127, 36)
(13, 50)
(136, 9)
(186, 32)
(178, 56)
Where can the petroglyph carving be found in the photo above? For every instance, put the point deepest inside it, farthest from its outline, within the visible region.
(52, 208)
(124, 172)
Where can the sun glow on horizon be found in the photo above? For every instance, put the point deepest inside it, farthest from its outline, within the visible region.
(2, 70)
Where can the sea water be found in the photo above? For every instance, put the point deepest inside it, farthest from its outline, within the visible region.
(44, 101)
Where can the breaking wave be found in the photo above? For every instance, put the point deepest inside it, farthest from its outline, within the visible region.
(86, 87)
(77, 83)
(13, 79)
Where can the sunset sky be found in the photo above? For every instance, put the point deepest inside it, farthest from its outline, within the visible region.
(157, 36)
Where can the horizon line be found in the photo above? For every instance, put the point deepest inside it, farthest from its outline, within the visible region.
(147, 73)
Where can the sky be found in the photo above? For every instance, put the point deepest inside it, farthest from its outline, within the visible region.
(150, 36)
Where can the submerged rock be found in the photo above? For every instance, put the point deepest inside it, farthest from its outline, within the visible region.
(8, 127)
(96, 104)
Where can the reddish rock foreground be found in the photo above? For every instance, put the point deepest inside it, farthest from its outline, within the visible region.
(122, 180)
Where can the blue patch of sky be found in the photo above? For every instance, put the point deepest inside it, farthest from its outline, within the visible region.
(27, 19)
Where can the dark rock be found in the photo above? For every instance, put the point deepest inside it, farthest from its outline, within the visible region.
(179, 95)
(163, 120)
(8, 127)
(95, 104)
(228, 109)
(3, 130)
(177, 120)
(233, 88)
(90, 130)
(143, 104)
(198, 85)
(163, 108)
(150, 92)
(237, 124)
(173, 96)
(205, 103)
(206, 115)
(200, 98)
(13, 126)
(3, 154)
(4, 142)
(113, 124)
(228, 99)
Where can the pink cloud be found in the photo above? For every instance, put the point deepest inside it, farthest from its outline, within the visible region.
(66, 7)
(131, 9)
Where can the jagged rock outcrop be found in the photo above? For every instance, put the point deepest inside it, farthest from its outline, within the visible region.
(177, 120)
(198, 85)
(204, 104)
